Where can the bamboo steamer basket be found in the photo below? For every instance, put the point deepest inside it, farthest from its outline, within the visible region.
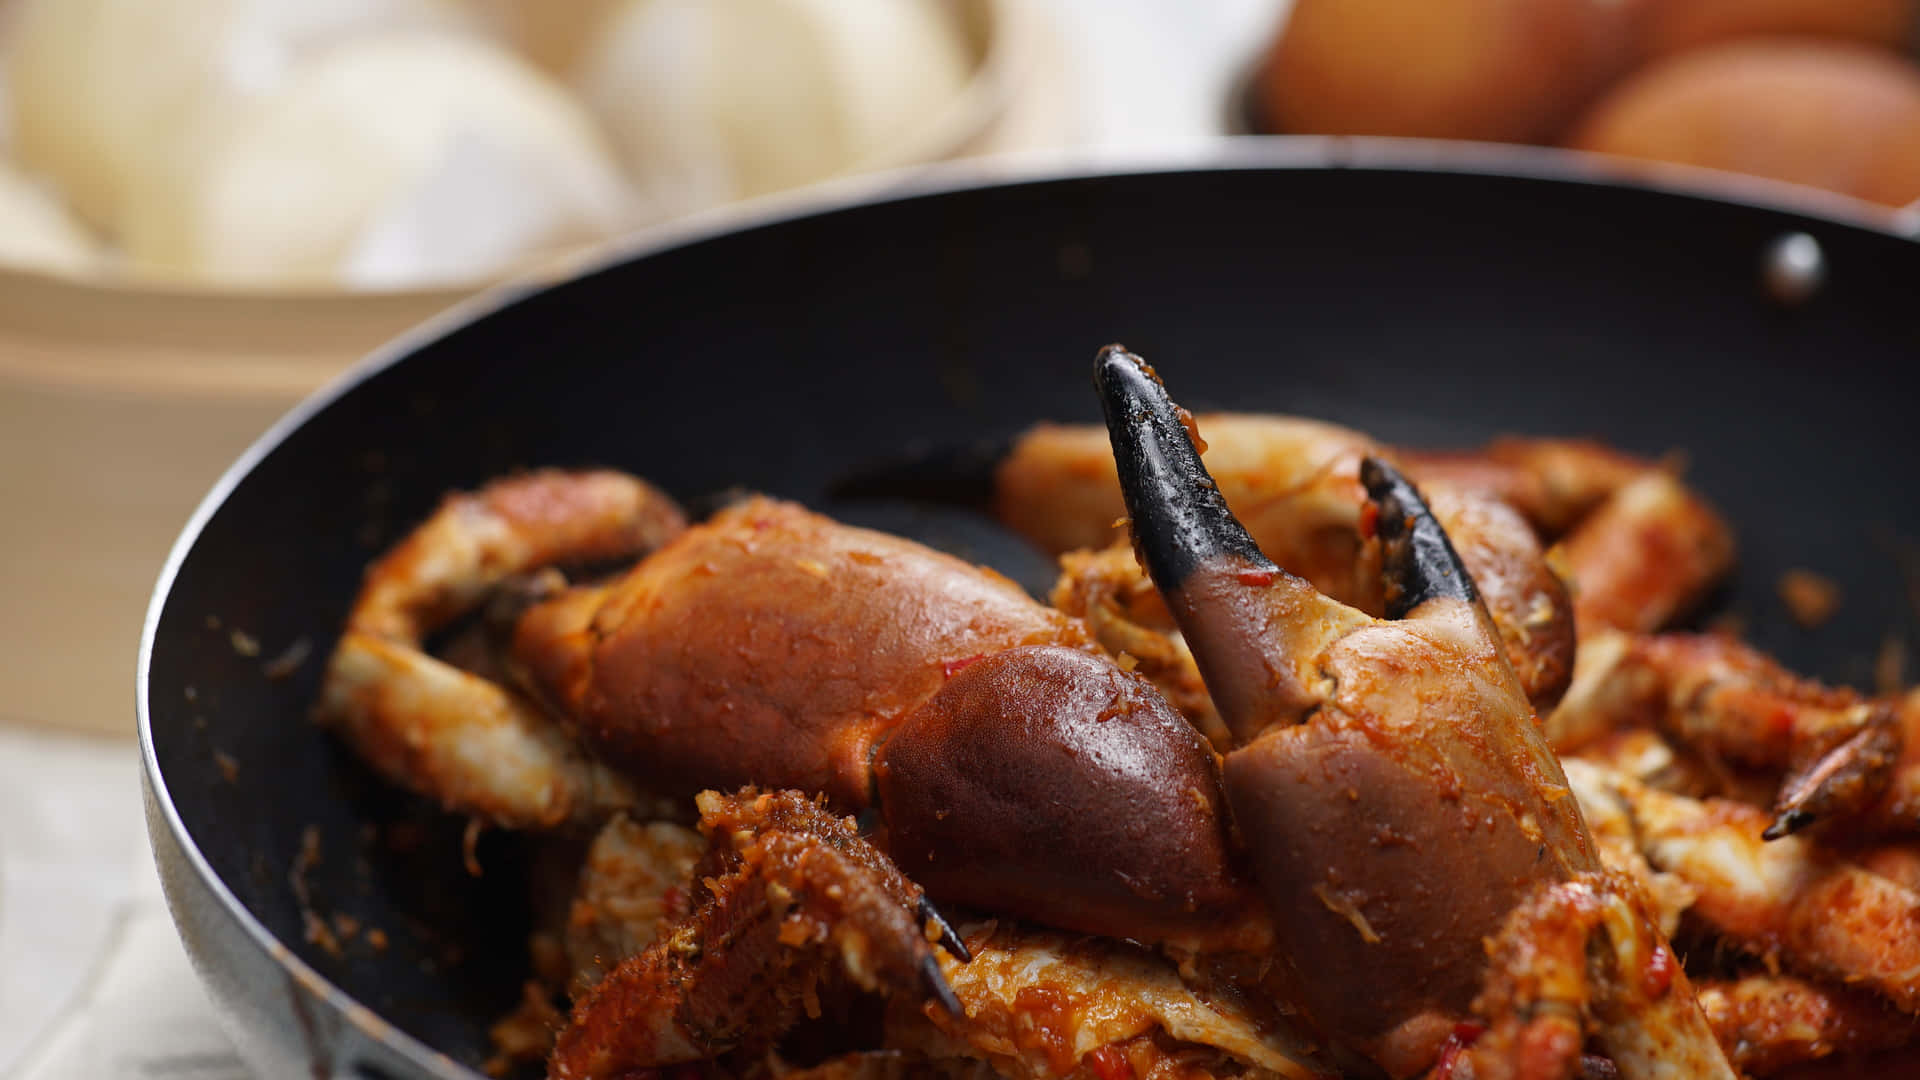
(118, 410)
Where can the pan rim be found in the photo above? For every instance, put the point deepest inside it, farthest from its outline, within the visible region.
(1291, 153)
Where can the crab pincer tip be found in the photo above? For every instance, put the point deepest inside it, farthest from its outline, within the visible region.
(937, 988)
(948, 939)
(1786, 823)
(1179, 518)
(1844, 779)
(1419, 561)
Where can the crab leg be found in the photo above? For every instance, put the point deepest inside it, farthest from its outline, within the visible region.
(1542, 981)
(1639, 547)
(471, 745)
(1614, 831)
(1784, 900)
(1770, 1022)
(1554, 482)
(1646, 556)
(1728, 702)
(1899, 808)
(1763, 1022)
(453, 735)
(473, 542)
(1111, 1009)
(1897, 862)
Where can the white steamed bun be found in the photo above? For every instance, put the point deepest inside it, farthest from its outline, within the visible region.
(102, 89)
(36, 233)
(389, 159)
(709, 100)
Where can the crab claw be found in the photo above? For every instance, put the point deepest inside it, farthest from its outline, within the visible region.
(1396, 796)
(1419, 561)
(1852, 774)
(1215, 580)
(789, 895)
(948, 939)
(1542, 985)
(1186, 522)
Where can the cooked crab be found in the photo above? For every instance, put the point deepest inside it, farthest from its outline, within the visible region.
(1394, 803)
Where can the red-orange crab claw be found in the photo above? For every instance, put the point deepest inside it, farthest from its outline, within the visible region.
(1395, 795)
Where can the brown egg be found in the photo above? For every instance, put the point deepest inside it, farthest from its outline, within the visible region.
(1499, 70)
(1667, 26)
(1833, 115)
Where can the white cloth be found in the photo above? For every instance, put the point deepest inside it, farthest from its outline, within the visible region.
(93, 980)
(70, 837)
(143, 1014)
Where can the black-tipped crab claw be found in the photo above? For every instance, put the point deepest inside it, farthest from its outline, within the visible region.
(1395, 795)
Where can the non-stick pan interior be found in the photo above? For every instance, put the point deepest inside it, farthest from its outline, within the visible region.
(1428, 309)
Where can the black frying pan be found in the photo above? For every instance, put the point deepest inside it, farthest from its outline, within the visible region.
(1429, 305)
